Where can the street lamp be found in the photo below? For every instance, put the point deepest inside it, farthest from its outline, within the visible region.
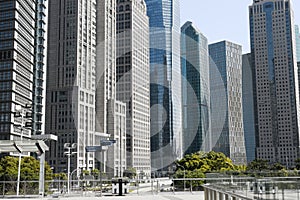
(44, 137)
(22, 112)
(68, 153)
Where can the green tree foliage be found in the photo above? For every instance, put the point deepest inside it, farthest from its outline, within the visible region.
(297, 163)
(130, 172)
(60, 176)
(198, 164)
(95, 173)
(258, 165)
(30, 169)
(206, 162)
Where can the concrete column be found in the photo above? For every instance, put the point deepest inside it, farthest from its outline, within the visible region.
(221, 196)
(226, 196)
(42, 175)
(206, 194)
(215, 195)
(211, 194)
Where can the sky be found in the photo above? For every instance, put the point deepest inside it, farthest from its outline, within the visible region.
(223, 20)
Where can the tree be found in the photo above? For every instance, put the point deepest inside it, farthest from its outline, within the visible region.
(197, 173)
(130, 173)
(30, 169)
(277, 167)
(297, 163)
(95, 173)
(258, 165)
(206, 162)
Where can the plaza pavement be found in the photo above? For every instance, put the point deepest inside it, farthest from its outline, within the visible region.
(160, 196)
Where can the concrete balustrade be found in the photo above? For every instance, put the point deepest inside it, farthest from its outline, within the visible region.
(211, 193)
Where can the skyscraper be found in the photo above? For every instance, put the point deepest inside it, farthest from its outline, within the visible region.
(22, 65)
(226, 61)
(277, 95)
(195, 89)
(71, 81)
(106, 88)
(133, 80)
(165, 82)
(297, 42)
(248, 106)
(106, 61)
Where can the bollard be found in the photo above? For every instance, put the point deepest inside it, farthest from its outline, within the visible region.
(120, 187)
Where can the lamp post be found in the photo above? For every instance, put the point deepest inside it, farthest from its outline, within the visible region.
(22, 112)
(44, 137)
(68, 153)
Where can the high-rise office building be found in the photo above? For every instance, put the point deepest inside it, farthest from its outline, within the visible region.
(106, 88)
(106, 61)
(71, 81)
(133, 80)
(226, 59)
(297, 42)
(165, 82)
(22, 65)
(248, 106)
(195, 89)
(277, 95)
(116, 156)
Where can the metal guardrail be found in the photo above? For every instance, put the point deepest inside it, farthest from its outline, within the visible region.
(272, 188)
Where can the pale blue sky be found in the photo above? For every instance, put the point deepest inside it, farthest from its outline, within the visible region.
(223, 19)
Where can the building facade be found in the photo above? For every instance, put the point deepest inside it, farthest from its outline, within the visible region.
(22, 66)
(195, 90)
(106, 84)
(116, 158)
(248, 106)
(133, 80)
(71, 81)
(165, 83)
(106, 61)
(297, 35)
(226, 58)
(277, 95)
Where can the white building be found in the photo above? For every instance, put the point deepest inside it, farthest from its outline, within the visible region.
(70, 111)
(133, 80)
(107, 112)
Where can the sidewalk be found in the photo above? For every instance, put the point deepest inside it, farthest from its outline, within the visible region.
(161, 196)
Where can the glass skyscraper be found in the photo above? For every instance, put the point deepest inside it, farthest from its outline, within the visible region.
(276, 86)
(22, 65)
(195, 89)
(297, 35)
(248, 106)
(226, 100)
(165, 82)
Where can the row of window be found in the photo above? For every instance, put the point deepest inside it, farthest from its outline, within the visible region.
(6, 5)
(6, 44)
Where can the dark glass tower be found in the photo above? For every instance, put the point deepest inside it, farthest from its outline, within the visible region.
(226, 100)
(248, 106)
(22, 64)
(273, 49)
(195, 90)
(165, 78)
